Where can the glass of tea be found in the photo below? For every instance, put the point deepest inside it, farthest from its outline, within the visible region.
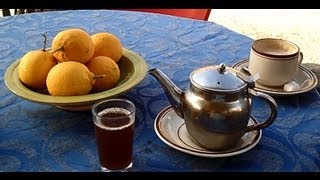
(114, 128)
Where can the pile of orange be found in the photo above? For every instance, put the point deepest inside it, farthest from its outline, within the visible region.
(77, 64)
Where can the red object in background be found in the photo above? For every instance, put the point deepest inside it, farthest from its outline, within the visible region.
(201, 14)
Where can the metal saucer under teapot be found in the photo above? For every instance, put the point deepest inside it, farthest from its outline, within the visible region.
(217, 105)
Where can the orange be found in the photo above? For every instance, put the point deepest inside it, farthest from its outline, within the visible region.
(102, 65)
(69, 79)
(34, 67)
(107, 44)
(72, 45)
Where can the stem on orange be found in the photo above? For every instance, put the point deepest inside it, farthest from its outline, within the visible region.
(44, 42)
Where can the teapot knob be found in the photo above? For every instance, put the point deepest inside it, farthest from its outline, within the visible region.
(222, 68)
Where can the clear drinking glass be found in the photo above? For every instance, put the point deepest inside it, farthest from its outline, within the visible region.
(114, 128)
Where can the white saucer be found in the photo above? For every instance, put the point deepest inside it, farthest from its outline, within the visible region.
(170, 128)
(301, 76)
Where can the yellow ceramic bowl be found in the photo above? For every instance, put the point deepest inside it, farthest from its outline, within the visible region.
(133, 69)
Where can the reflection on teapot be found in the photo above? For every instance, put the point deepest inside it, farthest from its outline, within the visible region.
(216, 107)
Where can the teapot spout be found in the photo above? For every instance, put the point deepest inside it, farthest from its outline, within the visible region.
(174, 94)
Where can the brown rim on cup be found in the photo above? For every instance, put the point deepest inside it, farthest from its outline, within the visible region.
(262, 47)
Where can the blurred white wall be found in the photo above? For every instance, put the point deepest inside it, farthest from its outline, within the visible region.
(300, 26)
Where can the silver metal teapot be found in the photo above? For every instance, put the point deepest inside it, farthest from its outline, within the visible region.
(216, 107)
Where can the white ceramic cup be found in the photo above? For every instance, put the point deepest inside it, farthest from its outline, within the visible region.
(275, 60)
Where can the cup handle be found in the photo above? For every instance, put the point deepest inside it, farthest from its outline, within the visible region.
(300, 58)
(274, 111)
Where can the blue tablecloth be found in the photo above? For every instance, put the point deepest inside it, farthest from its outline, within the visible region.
(37, 137)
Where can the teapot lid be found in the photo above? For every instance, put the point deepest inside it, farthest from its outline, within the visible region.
(217, 78)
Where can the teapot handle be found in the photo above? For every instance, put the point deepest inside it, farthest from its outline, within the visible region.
(274, 111)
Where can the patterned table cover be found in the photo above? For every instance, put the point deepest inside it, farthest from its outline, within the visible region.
(37, 137)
